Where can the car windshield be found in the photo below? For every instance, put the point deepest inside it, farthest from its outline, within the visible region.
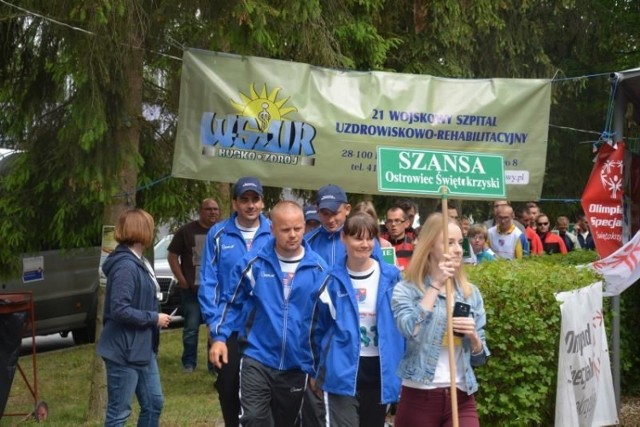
(160, 250)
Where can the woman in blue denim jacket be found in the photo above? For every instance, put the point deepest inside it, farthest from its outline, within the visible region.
(419, 308)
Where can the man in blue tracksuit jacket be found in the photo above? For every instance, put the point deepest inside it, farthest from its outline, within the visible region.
(333, 210)
(226, 243)
(281, 283)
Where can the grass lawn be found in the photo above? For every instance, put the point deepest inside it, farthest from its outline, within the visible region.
(64, 384)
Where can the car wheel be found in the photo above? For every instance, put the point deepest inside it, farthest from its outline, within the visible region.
(85, 335)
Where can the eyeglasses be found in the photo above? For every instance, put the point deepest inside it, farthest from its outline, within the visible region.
(543, 223)
(395, 221)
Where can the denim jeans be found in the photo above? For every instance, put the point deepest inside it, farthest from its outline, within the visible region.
(125, 380)
(192, 320)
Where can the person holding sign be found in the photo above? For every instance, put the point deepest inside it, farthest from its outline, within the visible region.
(357, 340)
(420, 312)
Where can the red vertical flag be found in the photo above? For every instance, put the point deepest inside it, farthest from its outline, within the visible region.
(602, 199)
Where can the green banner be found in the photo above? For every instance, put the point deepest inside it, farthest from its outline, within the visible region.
(300, 126)
(460, 174)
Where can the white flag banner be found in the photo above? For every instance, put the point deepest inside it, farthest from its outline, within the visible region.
(621, 269)
(585, 394)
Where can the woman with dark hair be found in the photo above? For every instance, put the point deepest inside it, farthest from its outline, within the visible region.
(367, 207)
(129, 340)
(420, 311)
(357, 341)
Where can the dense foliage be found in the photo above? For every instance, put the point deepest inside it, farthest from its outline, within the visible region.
(518, 385)
(89, 89)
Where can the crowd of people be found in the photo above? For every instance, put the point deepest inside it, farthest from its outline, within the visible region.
(309, 323)
(525, 231)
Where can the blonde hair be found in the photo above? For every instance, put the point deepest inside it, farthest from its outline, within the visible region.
(367, 207)
(476, 229)
(420, 264)
(135, 226)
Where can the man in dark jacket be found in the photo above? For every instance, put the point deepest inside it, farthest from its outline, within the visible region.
(185, 255)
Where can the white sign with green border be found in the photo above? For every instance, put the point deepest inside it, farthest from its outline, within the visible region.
(455, 173)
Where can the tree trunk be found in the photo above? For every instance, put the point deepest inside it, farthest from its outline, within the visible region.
(225, 191)
(126, 142)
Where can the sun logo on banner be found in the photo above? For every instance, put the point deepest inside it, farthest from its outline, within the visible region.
(258, 130)
(262, 107)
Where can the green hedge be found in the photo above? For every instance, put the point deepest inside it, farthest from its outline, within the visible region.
(517, 386)
(629, 342)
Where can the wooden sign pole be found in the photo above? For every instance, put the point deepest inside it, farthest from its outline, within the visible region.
(450, 302)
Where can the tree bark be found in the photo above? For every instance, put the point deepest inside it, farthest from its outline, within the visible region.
(126, 141)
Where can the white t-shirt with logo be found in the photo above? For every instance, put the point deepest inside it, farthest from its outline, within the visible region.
(288, 267)
(248, 233)
(365, 284)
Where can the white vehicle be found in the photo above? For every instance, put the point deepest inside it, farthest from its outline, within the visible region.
(171, 296)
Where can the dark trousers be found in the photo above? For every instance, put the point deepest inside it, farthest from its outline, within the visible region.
(432, 408)
(269, 397)
(364, 409)
(313, 410)
(228, 384)
(192, 320)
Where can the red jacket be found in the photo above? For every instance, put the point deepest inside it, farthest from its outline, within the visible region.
(551, 242)
(535, 244)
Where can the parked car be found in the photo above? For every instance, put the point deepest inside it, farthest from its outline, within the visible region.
(63, 284)
(64, 289)
(171, 293)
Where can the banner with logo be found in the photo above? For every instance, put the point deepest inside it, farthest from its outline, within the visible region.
(296, 125)
(602, 199)
(621, 269)
(585, 394)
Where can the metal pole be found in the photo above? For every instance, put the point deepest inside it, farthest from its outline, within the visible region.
(618, 129)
